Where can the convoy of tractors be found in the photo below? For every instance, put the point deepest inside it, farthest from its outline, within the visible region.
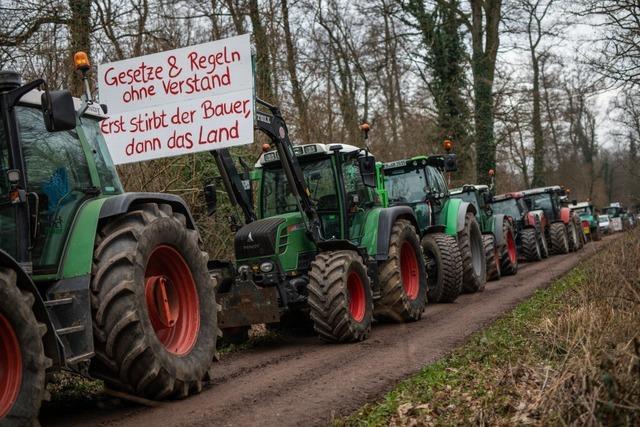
(114, 285)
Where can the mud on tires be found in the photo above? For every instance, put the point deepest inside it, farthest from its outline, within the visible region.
(492, 255)
(22, 359)
(144, 258)
(473, 257)
(444, 267)
(531, 250)
(559, 238)
(508, 251)
(340, 299)
(403, 282)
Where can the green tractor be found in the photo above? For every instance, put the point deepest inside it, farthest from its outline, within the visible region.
(588, 219)
(93, 280)
(619, 217)
(319, 248)
(497, 231)
(451, 236)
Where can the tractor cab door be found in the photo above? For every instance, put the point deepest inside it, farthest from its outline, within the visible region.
(359, 199)
(437, 188)
(57, 180)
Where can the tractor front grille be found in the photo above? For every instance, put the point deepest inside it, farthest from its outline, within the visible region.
(257, 239)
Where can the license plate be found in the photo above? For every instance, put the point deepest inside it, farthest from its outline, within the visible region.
(586, 230)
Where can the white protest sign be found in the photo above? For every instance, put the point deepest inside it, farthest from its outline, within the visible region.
(182, 101)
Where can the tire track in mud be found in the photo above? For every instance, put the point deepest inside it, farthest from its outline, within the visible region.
(305, 382)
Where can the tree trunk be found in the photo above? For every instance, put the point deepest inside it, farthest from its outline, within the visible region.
(536, 124)
(263, 65)
(79, 32)
(296, 89)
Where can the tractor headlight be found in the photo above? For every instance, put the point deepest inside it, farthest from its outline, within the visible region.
(266, 267)
(244, 269)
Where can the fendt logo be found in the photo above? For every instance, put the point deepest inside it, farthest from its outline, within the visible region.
(250, 237)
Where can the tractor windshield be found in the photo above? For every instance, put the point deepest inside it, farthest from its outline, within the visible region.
(507, 207)
(406, 185)
(277, 197)
(583, 211)
(541, 201)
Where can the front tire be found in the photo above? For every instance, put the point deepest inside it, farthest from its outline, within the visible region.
(22, 359)
(340, 297)
(153, 303)
(444, 267)
(473, 256)
(403, 282)
(508, 251)
(559, 238)
(531, 245)
(492, 255)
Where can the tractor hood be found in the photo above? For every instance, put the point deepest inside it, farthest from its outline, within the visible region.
(257, 238)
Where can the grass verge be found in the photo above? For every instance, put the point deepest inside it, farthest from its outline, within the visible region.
(568, 355)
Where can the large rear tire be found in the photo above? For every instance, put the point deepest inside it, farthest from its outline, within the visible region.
(544, 239)
(22, 359)
(153, 303)
(492, 255)
(508, 251)
(559, 238)
(531, 250)
(574, 238)
(473, 256)
(340, 297)
(403, 281)
(595, 234)
(444, 267)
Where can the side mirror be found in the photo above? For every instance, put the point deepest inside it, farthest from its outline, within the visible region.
(210, 198)
(58, 110)
(367, 166)
(450, 163)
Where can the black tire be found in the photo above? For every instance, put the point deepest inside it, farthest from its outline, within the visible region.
(492, 257)
(508, 251)
(531, 250)
(20, 330)
(474, 266)
(544, 239)
(129, 353)
(403, 281)
(595, 235)
(444, 267)
(559, 238)
(329, 297)
(574, 237)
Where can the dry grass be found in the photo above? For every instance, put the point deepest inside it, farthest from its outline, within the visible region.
(568, 356)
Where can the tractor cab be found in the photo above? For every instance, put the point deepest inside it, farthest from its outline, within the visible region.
(547, 199)
(49, 174)
(511, 205)
(480, 197)
(419, 183)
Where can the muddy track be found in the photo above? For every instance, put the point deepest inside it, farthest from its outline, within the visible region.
(305, 382)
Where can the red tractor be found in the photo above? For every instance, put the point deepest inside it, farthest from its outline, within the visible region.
(530, 226)
(563, 234)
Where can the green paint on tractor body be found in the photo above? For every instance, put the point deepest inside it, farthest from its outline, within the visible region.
(479, 196)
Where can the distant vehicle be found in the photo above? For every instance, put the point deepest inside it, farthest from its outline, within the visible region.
(603, 224)
(587, 218)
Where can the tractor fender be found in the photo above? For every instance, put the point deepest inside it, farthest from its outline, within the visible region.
(541, 219)
(52, 345)
(386, 219)
(122, 203)
(463, 209)
(531, 219)
(565, 215)
(498, 224)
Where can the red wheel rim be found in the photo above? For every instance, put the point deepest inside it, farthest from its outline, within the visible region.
(511, 248)
(172, 300)
(357, 300)
(409, 271)
(10, 367)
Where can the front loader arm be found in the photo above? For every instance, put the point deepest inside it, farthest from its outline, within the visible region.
(233, 183)
(274, 126)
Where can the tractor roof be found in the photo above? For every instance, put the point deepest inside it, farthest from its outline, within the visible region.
(541, 190)
(34, 98)
(580, 205)
(305, 150)
(506, 196)
(413, 161)
(469, 187)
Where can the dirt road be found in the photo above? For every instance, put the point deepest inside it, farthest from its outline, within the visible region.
(307, 383)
